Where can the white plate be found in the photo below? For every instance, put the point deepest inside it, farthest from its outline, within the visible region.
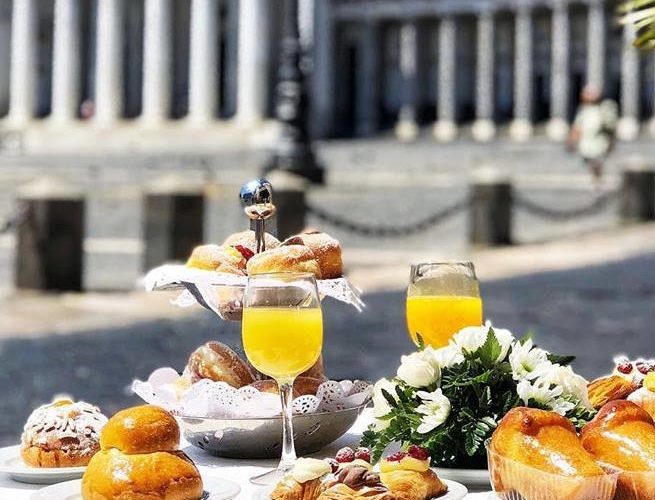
(11, 463)
(473, 479)
(456, 491)
(215, 489)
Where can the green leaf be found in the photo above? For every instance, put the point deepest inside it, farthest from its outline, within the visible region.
(560, 360)
(490, 350)
(390, 399)
(526, 336)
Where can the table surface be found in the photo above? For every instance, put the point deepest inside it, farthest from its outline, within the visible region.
(235, 470)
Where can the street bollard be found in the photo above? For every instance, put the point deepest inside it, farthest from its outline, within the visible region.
(289, 198)
(637, 191)
(49, 237)
(490, 214)
(173, 221)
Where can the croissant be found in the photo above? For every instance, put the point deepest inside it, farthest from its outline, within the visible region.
(412, 485)
(290, 489)
(341, 491)
(528, 439)
(622, 435)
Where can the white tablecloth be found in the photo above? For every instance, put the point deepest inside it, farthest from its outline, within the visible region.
(235, 470)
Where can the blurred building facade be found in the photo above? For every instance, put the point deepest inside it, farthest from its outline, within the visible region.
(484, 68)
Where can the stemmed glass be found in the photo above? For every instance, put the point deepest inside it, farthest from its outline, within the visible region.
(442, 298)
(282, 331)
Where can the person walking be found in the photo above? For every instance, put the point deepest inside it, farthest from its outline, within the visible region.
(593, 130)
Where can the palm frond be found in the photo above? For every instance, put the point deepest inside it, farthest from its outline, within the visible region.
(641, 14)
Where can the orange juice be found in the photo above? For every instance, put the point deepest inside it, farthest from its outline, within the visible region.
(282, 342)
(438, 317)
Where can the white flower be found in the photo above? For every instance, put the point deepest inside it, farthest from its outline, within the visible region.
(447, 356)
(471, 338)
(419, 369)
(527, 362)
(435, 409)
(381, 406)
(571, 383)
(542, 393)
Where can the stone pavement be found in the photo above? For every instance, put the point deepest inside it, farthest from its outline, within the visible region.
(591, 296)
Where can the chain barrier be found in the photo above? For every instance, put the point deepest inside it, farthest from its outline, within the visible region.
(14, 219)
(389, 231)
(538, 210)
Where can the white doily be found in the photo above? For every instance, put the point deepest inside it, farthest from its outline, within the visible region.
(207, 398)
(222, 292)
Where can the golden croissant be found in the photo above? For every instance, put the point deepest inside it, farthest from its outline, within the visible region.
(340, 491)
(412, 485)
(290, 489)
(529, 439)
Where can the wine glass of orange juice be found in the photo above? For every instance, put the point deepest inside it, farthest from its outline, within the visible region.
(442, 298)
(282, 331)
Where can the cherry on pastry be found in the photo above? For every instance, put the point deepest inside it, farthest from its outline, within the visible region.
(418, 453)
(396, 457)
(363, 454)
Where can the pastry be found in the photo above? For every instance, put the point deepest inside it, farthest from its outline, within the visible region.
(528, 442)
(606, 389)
(292, 258)
(327, 251)
(217, 362)
(139, 460)
(409, 477)
(356, 482)
(302, 386)
(222, 259)
(303, 482)
(622, 435)
(247, 239)
(645, 395)
(62, 434)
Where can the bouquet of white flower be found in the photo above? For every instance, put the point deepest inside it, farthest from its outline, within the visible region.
(450, 400)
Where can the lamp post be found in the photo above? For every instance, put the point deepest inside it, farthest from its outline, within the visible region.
(293, 152)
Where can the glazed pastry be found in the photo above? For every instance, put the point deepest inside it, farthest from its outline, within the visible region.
(606, 389)
(645, 396)
(292, 258)
(222, 259)
(302, 386)
(217, 362)
(327, 251)
(139, 460)
(356, 480)
(62, 434)
(622, 435)
(547, 442)
(409, 477)
(303, 482)
(247, 239)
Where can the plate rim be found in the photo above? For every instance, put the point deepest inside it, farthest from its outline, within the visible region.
(13, 451)
(235, 488)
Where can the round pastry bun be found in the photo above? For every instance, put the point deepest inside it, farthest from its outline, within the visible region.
(168, 475)
(327, 251)
(292, 258)
(62, 434)
(216, 361)
(302, 386)
(141, 429)
(247, 239)
(222, 259)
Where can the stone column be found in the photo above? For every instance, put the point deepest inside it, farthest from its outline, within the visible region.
(406, 128)
(596, 33)
(367, 88)
(157, 68)
(109, 62)
(558, 125)
(253, 52)
(66, 61)
(203, 62)
(23, 67)
(651, 123)
(628, 126)
(322, 98)
(484, 128)
(445, 130)
(521, 127)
